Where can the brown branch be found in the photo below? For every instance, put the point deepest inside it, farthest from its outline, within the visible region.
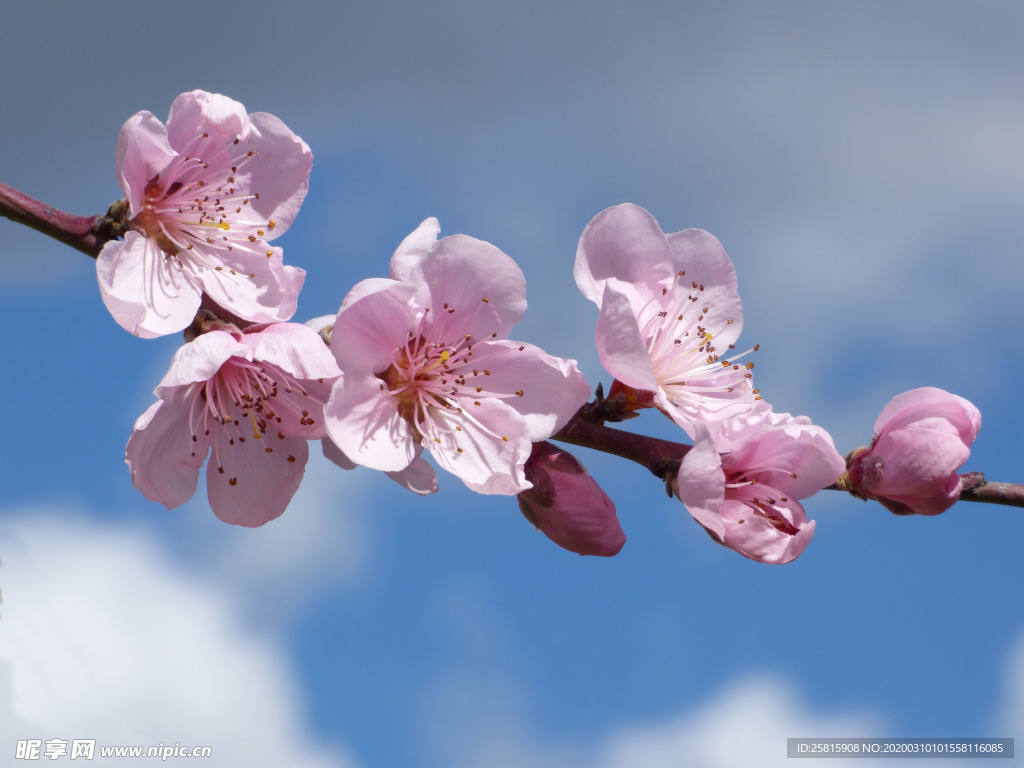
(976, 488)
(660, 457)
(87, 234)
(1008, 494)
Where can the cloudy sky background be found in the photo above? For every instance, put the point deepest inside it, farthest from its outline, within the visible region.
(862, 163)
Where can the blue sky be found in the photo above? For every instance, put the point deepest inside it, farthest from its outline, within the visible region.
(862, 164)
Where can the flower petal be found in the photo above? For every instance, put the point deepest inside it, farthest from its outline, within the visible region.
(282, 174)
(932, 406)
(701, 256)
(413, 248)
(251, 483)
(623, 242)
(363, 421)
(147, 294)
(263, 290)
(142, 154)
(418, 477)
(472, 286)
(295, 348)
(163, 459)
(545, 390)
(787, 453)
(200, 359)
(369, 329)
(756, 537)
(620, 346)
(701, 483)
(483, 444)
(196, 112)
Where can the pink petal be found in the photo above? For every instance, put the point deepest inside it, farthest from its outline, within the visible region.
(365, 424)
(266, 475)
(295, 349)
(545, 390)
(623, 242)
(263, 290)
(418, 477)
(620, 346)
(755, 537)
(413, 248)
(196, 112)
(369, 329)
(163, 459)
(147, 294)
(932, 406)
(300, 412)
(918, 457)
(705, 262)
(282, 174)
(792, 455)
(916, 468)
(334, 454)
(200, 359)
(142, 154)
(489, 452)
(472, 287)
(701, 483)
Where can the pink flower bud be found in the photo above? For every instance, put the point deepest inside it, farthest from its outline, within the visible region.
(922, 438)
(567, 504)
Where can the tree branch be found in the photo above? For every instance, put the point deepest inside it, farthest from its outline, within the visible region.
(662, 457)
(87, 234)
(658, 456)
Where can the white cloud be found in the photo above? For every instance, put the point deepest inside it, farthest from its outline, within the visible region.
(747, 724)
(476, 720)
(103, 637)
(321, 542)
(478, 713)
(1011, 716)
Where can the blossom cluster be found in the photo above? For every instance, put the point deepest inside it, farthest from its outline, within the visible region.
(670, 317)
(420, 362)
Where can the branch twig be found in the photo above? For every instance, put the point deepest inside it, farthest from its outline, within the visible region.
(662, 457)
(87, 234)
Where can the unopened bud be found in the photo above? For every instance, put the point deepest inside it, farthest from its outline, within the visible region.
(922, 438)
(567, 505)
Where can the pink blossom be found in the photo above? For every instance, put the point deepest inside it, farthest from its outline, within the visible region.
(253, 398)
(426, 365)
(567, 505)
(922, 438)
(743, 479)
(669, 316)
(206, 192)
(418, 477)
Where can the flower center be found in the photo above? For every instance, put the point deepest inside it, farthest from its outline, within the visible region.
(686, 362)
(420, 377)
(762, 499)
(197, 200)
(244, 400)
